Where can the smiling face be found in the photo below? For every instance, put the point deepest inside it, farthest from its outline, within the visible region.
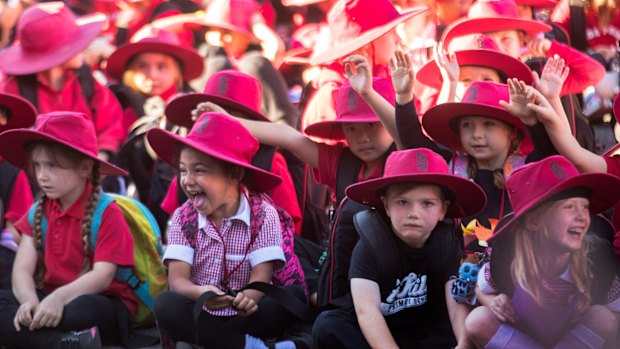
(566, 222)
(487, 140)
(368, 141)
(414, 210)
(212, 185)
(154, 73)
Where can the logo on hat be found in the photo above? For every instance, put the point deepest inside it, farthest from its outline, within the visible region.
(351, 100)
(473, 94)
(222, 86)
(421, 162)
(557, 170)
(200, 128)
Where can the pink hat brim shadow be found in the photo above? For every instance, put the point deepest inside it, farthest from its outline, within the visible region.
(17, 155)
(430, 75)
(166, 145)
(469, 198)
(23, 113)
(468, 26)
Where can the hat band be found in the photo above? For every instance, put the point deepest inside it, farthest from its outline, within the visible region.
(578, 192)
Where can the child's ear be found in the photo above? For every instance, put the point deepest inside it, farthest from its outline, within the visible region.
(385, 205)
(533, 222)
(86, 168)
(444, 210)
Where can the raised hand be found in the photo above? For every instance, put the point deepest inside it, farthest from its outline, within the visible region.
(541, 107)
(206, 107)
(447, 63)
(552, 77)
(359, 73)
(402, 73)
(517, 105)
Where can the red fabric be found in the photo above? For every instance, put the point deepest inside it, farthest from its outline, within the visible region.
(595, 35)
(64, 253)
(584, 70)
(329, 158)
(21, 198)
(108, 113)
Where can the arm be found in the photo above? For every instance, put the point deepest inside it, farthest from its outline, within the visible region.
(450, 72)
(179, 281)
(23, 282)
(367, 299)
(458, 313)
(246, 301)
(410, 131)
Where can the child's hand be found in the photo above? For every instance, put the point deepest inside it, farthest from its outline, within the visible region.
(48, 313)
(447, 63)
(207, 107)
(244, 304)
(540, 106)
(24, 314)
(223, 301)
(539, 47)
(552, 77)
(358, 72)
(502, 308)
(402, 73)
(518, 102)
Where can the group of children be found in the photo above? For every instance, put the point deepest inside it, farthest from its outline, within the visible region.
(492, 174)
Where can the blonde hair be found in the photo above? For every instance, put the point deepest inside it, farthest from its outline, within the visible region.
(527, 268)
(65, 157)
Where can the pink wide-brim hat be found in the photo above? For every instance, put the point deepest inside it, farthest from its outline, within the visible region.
(300, 3)
(222, 137)
(149, 39)
(21, 112)
(48, 35)
(228, 89)
(537, 3)
(476, 50)
(423, 166)
(232, 15)
(71, 129)
(480, 99)
(615, 150)
(351, 107)
(356, 23)
(486, 16)
(537, 182)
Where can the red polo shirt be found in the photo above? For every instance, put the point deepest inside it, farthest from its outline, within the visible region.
(64, 253)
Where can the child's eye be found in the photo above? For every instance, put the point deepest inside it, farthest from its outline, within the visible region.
(348, 129)
(428, 203)
(401, 202)
(466, 124)
(373, 124)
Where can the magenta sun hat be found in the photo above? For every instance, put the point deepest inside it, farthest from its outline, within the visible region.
(476, 50)
(71, 129)
(149, 39)
(231, 15)
(424, 166)
(227, 88)
(492, 15)
(351, 107)
(47, 35)
(222, 137)
(356, 23)
(480, 99)
(537, 3)
(21, 113)
(538, 182)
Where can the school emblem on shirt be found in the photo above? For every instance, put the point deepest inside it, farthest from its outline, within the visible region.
(409, 292)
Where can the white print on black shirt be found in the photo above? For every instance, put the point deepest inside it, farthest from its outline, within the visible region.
(409, 293)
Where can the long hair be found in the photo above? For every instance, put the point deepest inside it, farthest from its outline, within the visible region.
(68, 158)
(527, 267)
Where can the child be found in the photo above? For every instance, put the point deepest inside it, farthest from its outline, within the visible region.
(15, 191)
(45, 65)
(415, 194)
(61, 283)
(213, 244)
(549, 284)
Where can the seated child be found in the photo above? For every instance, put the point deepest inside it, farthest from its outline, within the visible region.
(402, 304)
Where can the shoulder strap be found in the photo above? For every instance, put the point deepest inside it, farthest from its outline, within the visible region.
(86, 81)
(374, 232)
(27, 85)
(264, 157)
(348, 170)
(8, 175)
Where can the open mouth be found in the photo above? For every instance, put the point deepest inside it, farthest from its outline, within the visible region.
(197, 197)
(576, 231)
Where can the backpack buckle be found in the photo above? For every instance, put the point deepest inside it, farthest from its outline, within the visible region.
(133, 281)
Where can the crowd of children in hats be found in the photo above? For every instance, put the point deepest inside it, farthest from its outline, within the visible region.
(414, 174)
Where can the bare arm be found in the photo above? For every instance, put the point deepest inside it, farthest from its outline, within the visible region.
(179, 281)
(450, 72)
(458, 313)
(366, 299)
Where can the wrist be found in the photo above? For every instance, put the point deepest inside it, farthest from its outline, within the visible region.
(404, 98)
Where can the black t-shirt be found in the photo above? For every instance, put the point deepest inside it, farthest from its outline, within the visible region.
(413, 292)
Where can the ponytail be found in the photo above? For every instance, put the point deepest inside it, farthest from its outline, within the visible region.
(37, 235)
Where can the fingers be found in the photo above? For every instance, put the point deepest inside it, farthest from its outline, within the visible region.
(502, 308)
(243, 303)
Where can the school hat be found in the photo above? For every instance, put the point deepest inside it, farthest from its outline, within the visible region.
(21, 113)
(227, 88)
(300, 3)
(149, 39)
(351, 107)
(231, 15)
(71, 129)
(424, 166)
(616, 109)
(480, 99)
(537, 3)
(356, 23)
(550, 179)
(48, 35)
(476, 50)
(222, 137)
(490, 16)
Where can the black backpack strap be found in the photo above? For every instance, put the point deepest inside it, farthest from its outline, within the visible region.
(86, 81)
(27, 85)
(603, 265)
(348, 170)
(8, 176)
(263, 158)
(374, 232)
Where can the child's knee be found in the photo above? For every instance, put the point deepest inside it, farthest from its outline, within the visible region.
(601, 320)
(165, 305)
(481, 324)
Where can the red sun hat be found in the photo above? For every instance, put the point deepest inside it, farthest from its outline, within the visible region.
(48, 35)
(537, 3)
(538, 182)
(476, 50)
(149, 39)
(423, 166)
(227, 88)
(351, 107)
(490, 16)
(71, 129)
(356, 23)
(231, 15)
(480, 99)
(222, 137)
(21, 112)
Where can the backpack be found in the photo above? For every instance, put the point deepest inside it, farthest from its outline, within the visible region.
(8, 175)
(148, 276)
(289, 273)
